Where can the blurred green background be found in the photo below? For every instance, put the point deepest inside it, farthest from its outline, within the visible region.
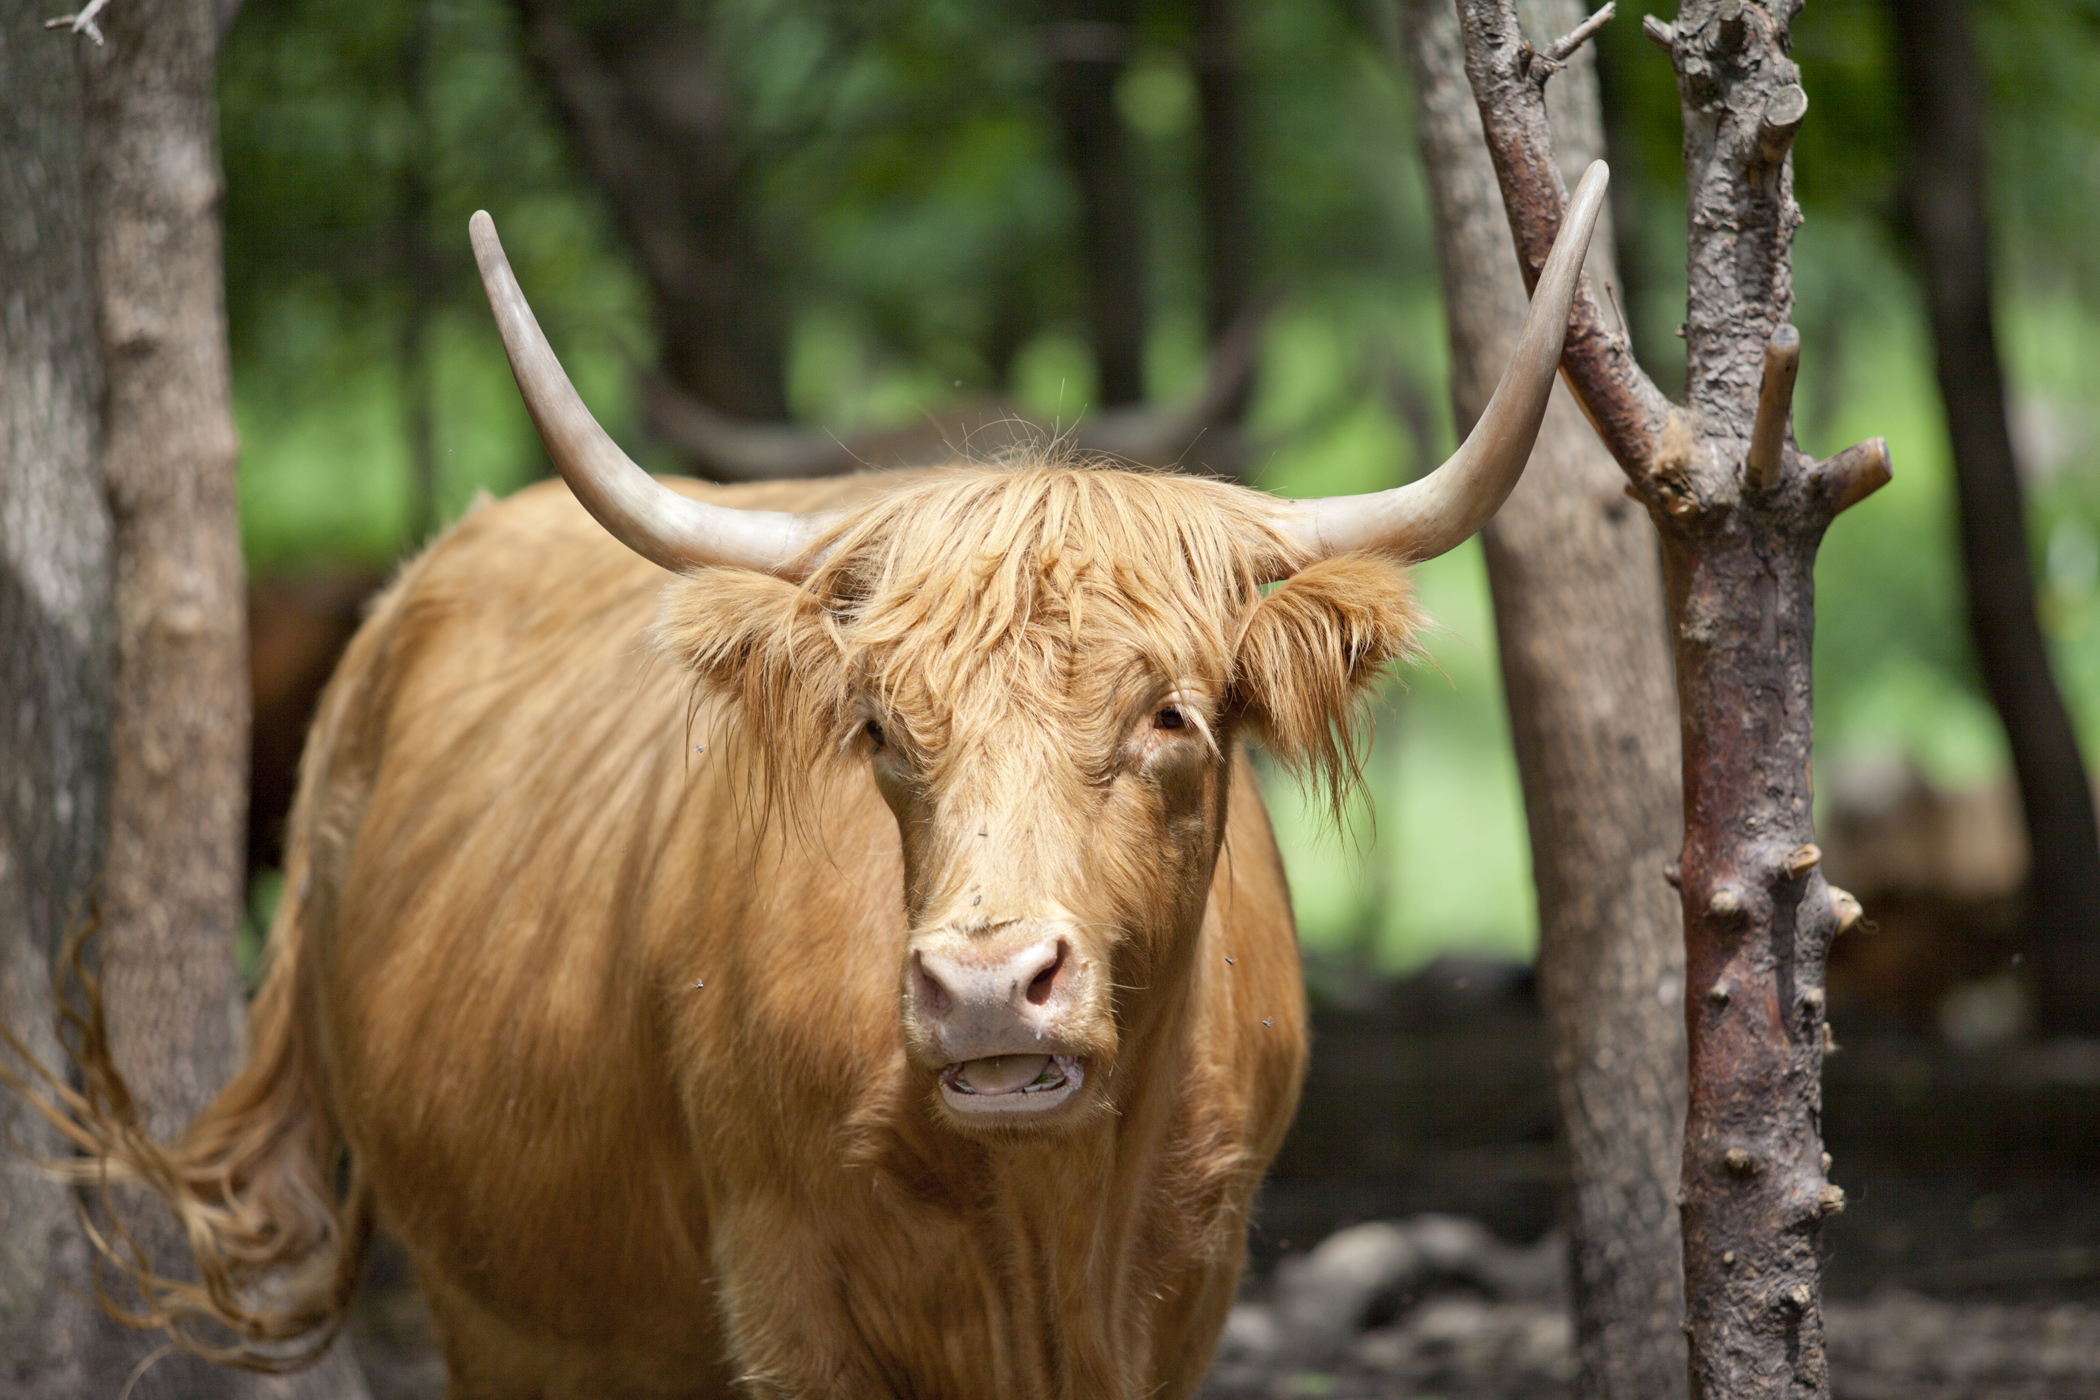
(911, 178)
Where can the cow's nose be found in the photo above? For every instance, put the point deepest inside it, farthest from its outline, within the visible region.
(994, 996)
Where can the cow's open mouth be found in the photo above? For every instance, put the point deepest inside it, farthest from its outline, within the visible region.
(1011, 1084)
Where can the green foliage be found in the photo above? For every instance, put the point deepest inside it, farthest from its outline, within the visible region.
(912, 190)
(320, 132)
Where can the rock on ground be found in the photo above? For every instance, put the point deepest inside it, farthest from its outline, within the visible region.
(1437, 1306)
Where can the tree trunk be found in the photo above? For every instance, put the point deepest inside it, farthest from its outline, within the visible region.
(651, 116)
(1945, 200)
(55, 636)
(1089, 43)
(1741, 511)
(1228, 254)
(171, 892)
(1580, 621)
(1228, 232)
(422, 279)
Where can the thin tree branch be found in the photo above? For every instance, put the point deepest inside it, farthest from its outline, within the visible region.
(83, 22)
(1629, 412)
(1563, 48)
(1192, 436)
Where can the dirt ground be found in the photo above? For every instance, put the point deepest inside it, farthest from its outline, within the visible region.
(1424, 1172)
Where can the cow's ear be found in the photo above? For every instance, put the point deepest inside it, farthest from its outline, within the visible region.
(769, 648)
(1308, 653)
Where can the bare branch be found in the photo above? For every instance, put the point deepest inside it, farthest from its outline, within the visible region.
(1854, 474)
(1193, 436)
(1661, 31)
(1563, 48)
(83, 22)
(727, 448)
(1629, 412)
(1775, 400)
(1845, 908)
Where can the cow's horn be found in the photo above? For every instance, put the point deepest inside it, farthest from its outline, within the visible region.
(648, 517)
(1443, 509)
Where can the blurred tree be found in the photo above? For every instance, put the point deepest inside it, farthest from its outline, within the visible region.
(655, 118)
(1581, 630)
(1229, 275)
(422, 278)
(1945, 202)
(1228, 236)
(357, 140)
(1088, 43)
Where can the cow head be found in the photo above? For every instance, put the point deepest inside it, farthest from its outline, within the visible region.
(1045, 667)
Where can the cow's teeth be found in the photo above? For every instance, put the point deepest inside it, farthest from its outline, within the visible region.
(1003, 1074)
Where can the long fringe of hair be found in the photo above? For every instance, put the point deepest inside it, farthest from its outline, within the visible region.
(1035, 588)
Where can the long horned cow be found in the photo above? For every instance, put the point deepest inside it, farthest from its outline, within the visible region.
(831, 947)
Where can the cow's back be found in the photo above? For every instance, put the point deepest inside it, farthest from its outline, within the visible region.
(577, 988)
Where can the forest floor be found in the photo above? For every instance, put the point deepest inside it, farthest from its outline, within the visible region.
(1965, 1267)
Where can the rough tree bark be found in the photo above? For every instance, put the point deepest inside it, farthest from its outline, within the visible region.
(1580, 622)
(1945, 201)
(651, 116)
(1088, 43)
(1741, 511)
(55, 638)
(171, 891)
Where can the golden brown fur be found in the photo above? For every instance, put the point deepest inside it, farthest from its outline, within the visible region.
(527, 835)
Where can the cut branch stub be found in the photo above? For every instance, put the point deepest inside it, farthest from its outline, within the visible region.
(1775, 401)
(1782, 117)
(1854, 474)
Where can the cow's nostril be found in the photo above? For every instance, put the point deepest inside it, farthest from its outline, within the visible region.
(1045, 982)
(927, 988)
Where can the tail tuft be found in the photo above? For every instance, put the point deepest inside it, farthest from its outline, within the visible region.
(274, 1208)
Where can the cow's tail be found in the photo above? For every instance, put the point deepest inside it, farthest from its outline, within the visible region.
(274, 1210)
(272, 1203)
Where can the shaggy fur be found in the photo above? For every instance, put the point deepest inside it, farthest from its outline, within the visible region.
(621, 1063)
(948, 604)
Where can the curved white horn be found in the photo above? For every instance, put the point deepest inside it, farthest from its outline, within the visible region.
(642, 513)
(1442, 510)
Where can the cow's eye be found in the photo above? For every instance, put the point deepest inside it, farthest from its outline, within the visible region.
(875, 734)
(1169, 717)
